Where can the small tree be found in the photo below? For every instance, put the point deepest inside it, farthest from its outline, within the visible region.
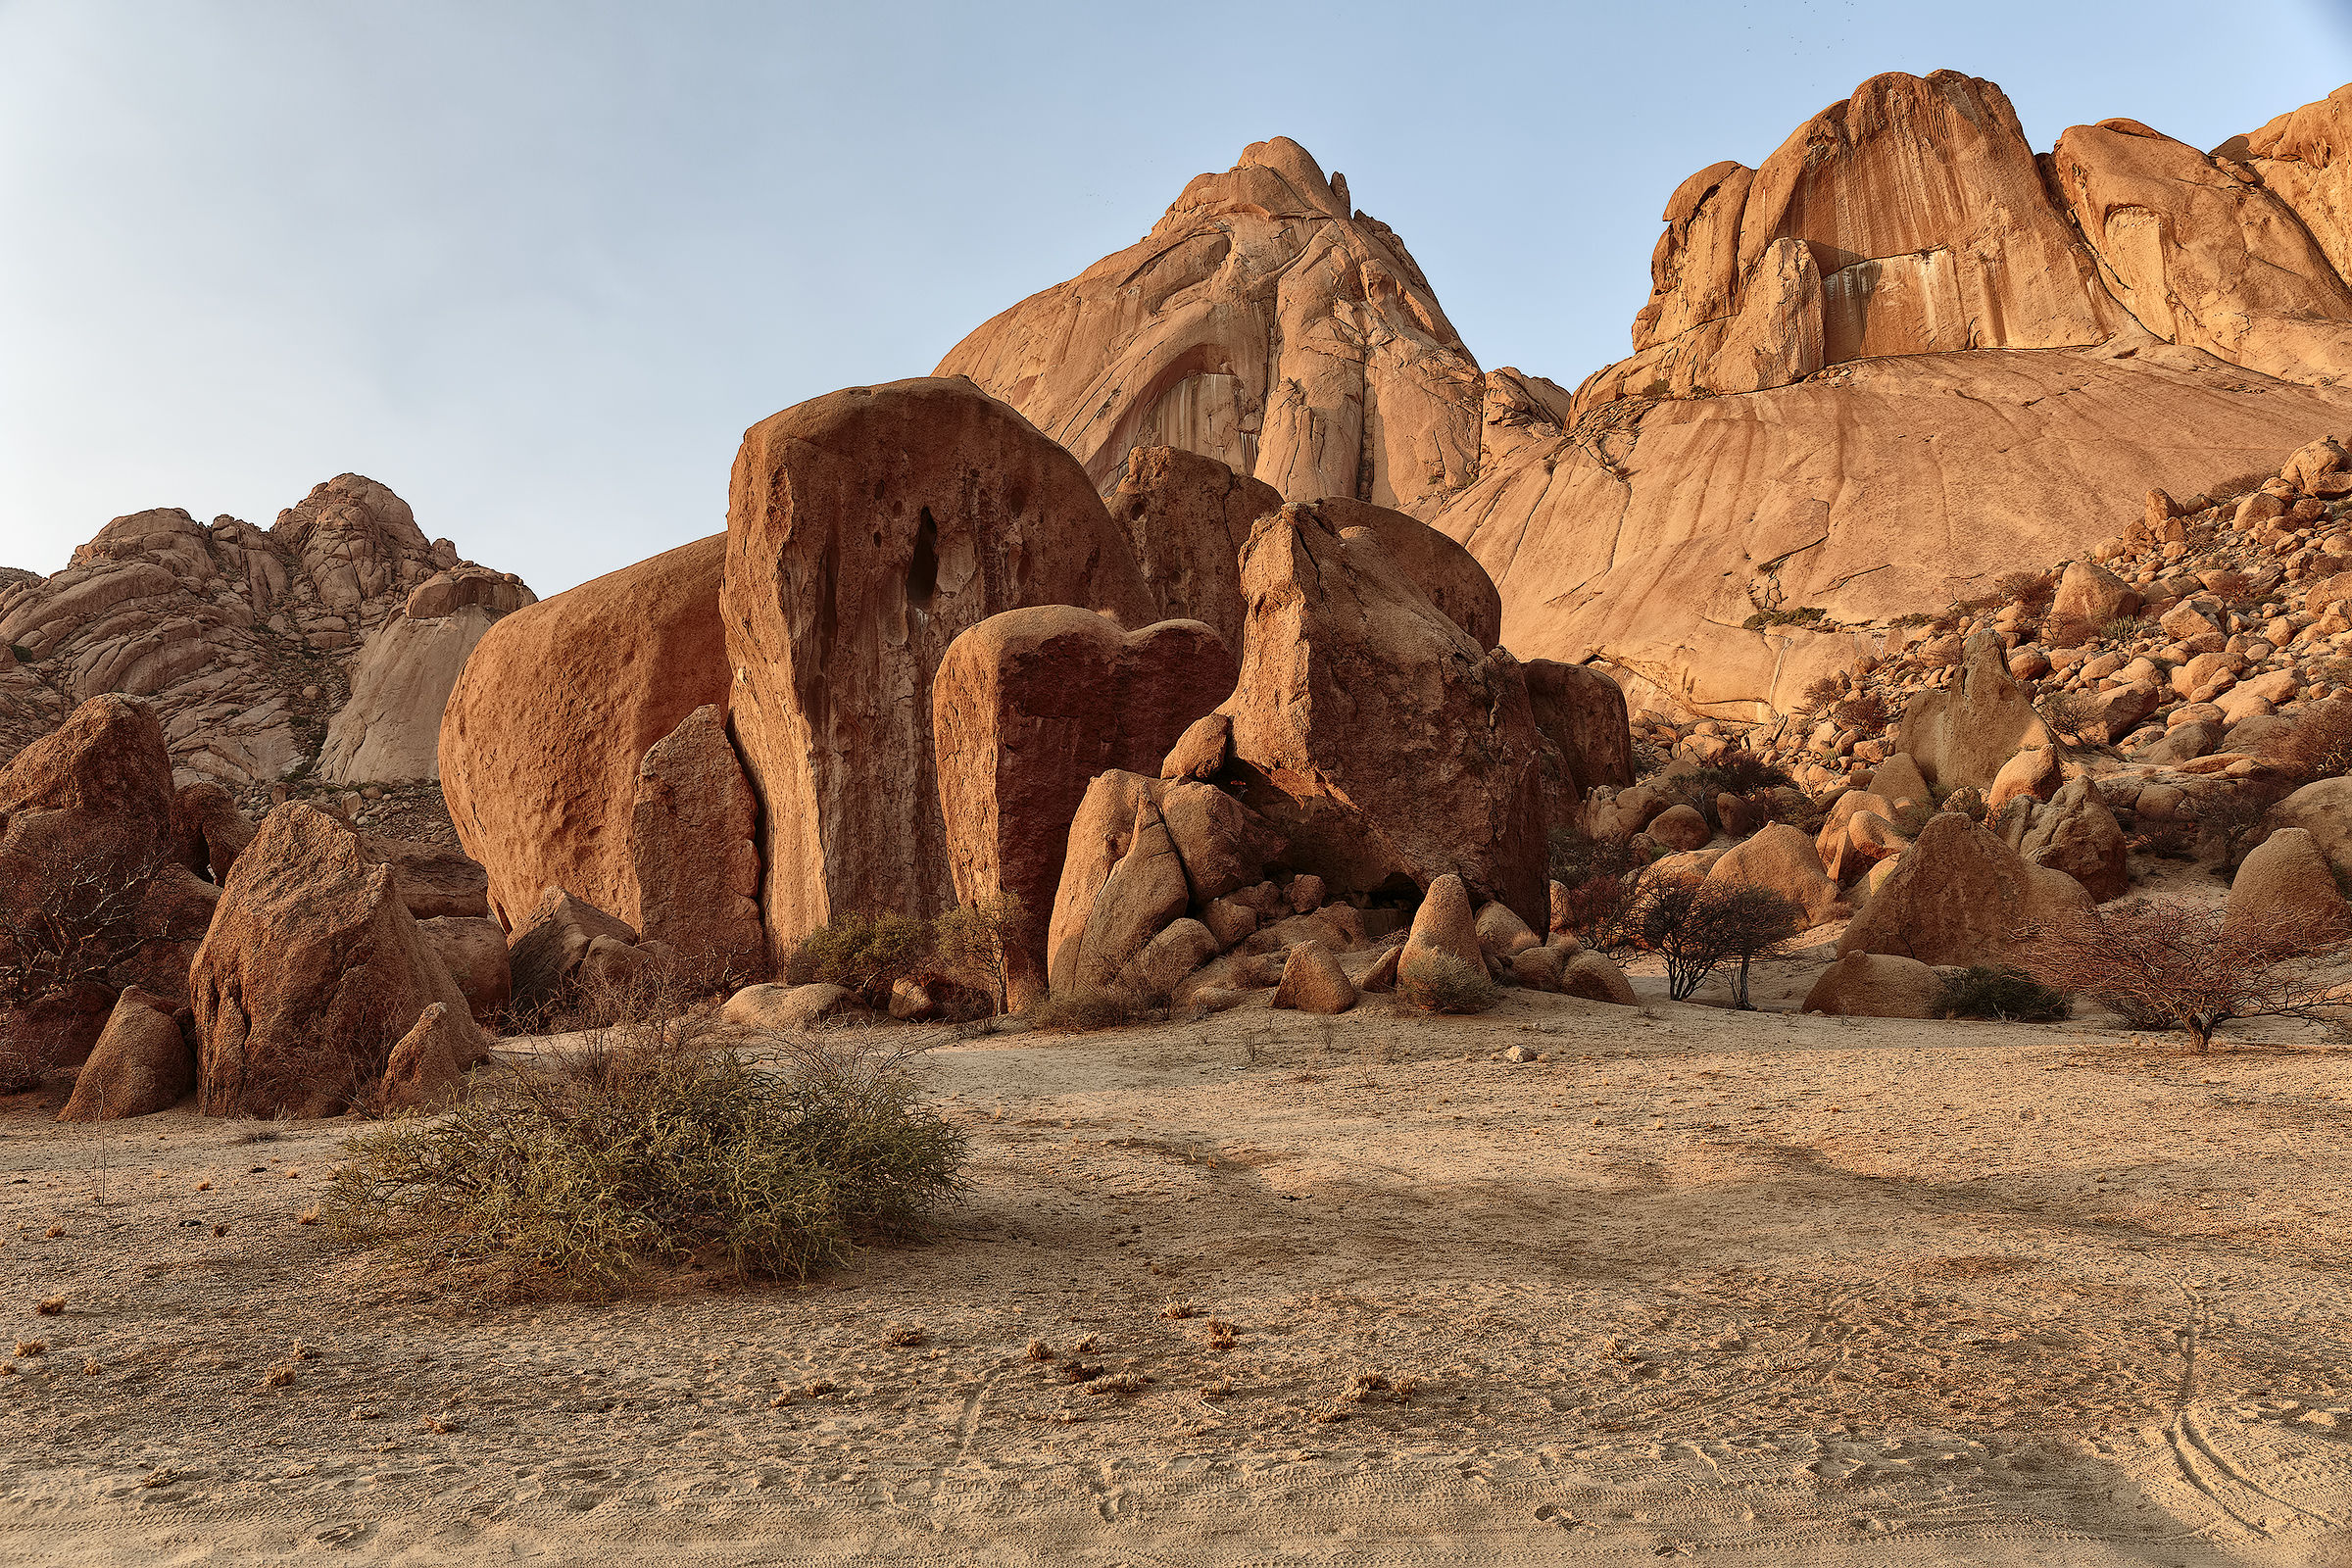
(863, 953)
(1695, 925)
(2232, 816)
(980, 944)
(2175, 966)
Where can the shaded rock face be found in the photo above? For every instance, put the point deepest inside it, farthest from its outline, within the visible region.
(313, 971)
(554, 712)
(225, 626)
(548, 953)
(2075, 834)
(90, 880)
(1261, 323)
(1960, 896)
(689, 845)
(1373, 731)
(1027, 707)
(2304, 157)
(1582, 712)
(141, 1063)
(867, 529)
(1187, 518)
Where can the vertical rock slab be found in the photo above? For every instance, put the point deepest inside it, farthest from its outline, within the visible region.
(390, 730)
(867, 530)
(1187, 518)
(1373, 731)
(1027, 707)
(690, 840)
(554, 711)
(313, 971)
(1966, 733)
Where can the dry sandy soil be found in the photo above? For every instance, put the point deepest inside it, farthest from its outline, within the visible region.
(1760, 1289)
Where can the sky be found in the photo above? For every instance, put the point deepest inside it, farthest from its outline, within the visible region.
(537, 266)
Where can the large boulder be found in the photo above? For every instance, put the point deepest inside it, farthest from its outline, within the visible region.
(1960, 896)
(475, 952)
(1029, 706)
(1681, 827)
(2323, 809)
(547, 957)
(2033, 772)
(2077, 834)
(1443, 928)
(209, 829)
(1263, 323)
(1187, 518)
(435, 880)
(90, 873)
(553, 715)
(2088, 596)
(1876, 985)
(1582, 712)
(313, 971)
(2286, 885)
(1379, 737)
(867, 530)
(1964, 734)
(1143, 892)
(141, 1063)
(1781, 860)
(1312, 981)
(691, 847)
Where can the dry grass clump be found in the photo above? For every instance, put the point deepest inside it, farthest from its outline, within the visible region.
(1122, 1385)
(1038, 1350)
(1218, 1333)
(1090, 1008)
(657, 1147)
(904, 1336)
(1177, 1311)
(50, 1307)
(1438, 982)
(32, 1347)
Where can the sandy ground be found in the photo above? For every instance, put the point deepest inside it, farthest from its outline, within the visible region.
(1751, 1288)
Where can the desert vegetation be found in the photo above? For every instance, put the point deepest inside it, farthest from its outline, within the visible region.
(2167, 965)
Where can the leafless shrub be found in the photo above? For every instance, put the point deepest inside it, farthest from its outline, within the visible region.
(82, 920)
(2067, 713)
(1818, 697)
(979, 944)
(1865, 712)
(2232, 817)
(2182, 966)
(1091, 1007)
(1697, 925)
(2318, 746)
(2032, 589)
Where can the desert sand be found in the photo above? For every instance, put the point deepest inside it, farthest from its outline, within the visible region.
(1765, 1288)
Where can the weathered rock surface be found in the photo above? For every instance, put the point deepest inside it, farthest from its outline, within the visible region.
(867, 529)
(312, 972)
(1187, 518)
(2323, 809)
(1876, 985)
(545, 956)
(2075, 834)
(787, 1009)
(1374, 732)
(1028, 707)
(553, 715)
(475, 952)
(1781, 860)
(1262, 323)
(426, 1068)
(1444, 927)
(690, 846)
(390, 730)
(1312, 981)
(2286, 885)
(141, 1063)
(1960, 896)
(243, 638)
(1966, 735)
(1595, 979)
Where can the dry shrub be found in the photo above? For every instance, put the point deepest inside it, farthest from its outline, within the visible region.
(2032, 589)
(1695, 925)
(2065, 630)
(2180, 966)
(2067, 713)
(1990, 991)
(863, 953)
(652, 1147)
(978, 945)
(1441, 983)
(2232, 817)
(1818, 697)
(1865, 712)
(1742, 772)
(1086, 1008)
(2319, 745)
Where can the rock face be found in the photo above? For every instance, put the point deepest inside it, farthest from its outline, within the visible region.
(1028, 706)
(1187, 518)
(1372, 730)
(1900, 266)
(243, 638)
(2297, 160)
(1967, 734)
(1583, 714)
(553, 715)
(1261, 323)
(690, 846)
(2203, 254)
(1781, 860)
(867, 530)
(89, 880)
(313, 971)
(390, 731)
(549, 952)
(2075, 834)
(140, 1066)
(2323, 809)
(1960, 896)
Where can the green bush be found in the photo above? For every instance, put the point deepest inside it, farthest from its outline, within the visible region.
(652, 1150)
(1988, 991)
(861, 952)
(1438, 983)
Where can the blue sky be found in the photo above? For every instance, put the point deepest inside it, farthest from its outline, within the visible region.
(536, 266)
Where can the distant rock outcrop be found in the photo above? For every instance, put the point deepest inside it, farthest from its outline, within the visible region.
(1263, 323)
(248, 641)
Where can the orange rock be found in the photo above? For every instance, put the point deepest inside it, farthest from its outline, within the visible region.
(867, 529)
(1187, 518)
(311, 971)
(1372, 730)
(1260, 322)
(1031, 705)
(554, 713)
(140, 1066)
(2301, 158)
(691, 849)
